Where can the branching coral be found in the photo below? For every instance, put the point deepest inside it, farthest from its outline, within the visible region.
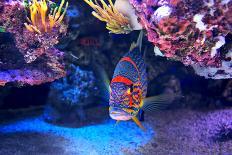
(116, 22)
(40, 21)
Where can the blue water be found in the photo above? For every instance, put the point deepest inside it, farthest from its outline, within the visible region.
(97, 139)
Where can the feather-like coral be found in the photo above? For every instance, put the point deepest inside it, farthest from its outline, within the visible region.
(40, 20)
(116, 22)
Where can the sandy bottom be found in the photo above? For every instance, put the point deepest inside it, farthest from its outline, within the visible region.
(168, 132)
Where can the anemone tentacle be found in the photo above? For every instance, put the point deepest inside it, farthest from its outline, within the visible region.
(40, 20)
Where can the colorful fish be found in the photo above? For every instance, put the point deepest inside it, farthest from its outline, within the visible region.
(128, 88)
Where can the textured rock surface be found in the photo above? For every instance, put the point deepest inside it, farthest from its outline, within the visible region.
(70, 95)
(194, 32)
(27, 57)
(188, 132)
(168, 132)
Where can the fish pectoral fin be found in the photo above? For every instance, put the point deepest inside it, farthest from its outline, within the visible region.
(156, 103)
(103, 83)
(135, 119)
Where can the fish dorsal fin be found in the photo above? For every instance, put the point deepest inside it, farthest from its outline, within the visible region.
(156, 103)
(144, 53)
(138, 43)
(133, 46)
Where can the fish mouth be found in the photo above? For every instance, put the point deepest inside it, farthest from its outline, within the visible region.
(119, 115)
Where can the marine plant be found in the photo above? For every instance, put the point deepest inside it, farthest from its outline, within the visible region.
(116, 22)
(41, 21)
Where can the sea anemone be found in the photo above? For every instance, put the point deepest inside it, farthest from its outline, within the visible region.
(116, 21)
(40, 21)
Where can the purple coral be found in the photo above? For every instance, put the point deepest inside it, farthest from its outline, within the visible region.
(28, 57)
(191, 31)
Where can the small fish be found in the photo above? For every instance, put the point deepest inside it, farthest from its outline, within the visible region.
(128, 88)
(89, 41)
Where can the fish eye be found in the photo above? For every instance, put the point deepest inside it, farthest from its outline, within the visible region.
(128, 91)
(131, 88)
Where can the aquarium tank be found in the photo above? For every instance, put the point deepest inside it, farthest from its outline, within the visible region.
(115, 77)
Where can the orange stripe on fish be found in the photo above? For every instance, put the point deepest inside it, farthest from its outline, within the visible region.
(128, 59)
(122, 79)
(131, 102)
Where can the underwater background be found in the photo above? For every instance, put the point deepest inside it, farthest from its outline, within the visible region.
(53, 55)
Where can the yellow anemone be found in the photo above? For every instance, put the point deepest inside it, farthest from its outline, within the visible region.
(116, 22)
(40, 21)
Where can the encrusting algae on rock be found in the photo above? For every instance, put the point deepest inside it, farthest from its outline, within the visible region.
(40, 20)
(30, 57)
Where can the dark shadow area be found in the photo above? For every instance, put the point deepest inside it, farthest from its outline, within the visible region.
(24, 97)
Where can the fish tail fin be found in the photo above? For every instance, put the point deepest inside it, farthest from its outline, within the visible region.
(160, 102)
(138, 44)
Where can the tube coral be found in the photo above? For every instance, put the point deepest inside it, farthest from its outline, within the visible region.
(40, 21)
(116, 22)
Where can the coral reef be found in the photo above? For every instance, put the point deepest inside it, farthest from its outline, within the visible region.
(194, 32)
(40, 21)
(68, 96)
(163, 75)
(28, 57)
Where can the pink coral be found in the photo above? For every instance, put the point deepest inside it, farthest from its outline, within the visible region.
(191, 31)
